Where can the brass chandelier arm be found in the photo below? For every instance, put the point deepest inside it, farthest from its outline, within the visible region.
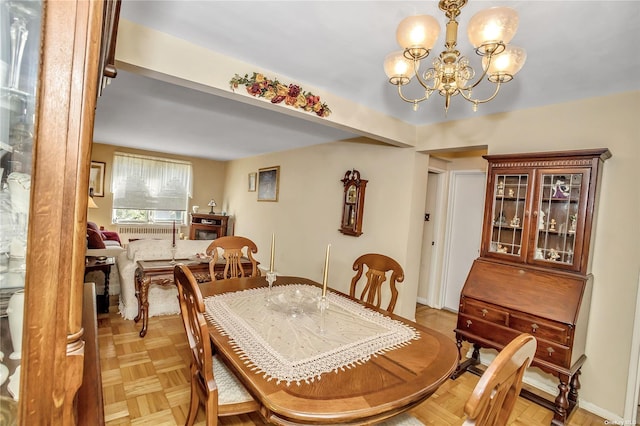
(423, 82)
(427, 93)
(466, 94)
(479, 80)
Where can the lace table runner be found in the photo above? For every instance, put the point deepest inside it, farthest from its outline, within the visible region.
(295, 348)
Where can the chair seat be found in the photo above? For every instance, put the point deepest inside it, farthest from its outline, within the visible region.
(230, 390)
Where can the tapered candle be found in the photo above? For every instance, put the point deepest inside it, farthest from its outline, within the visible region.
(174, 233)
(326, 272)
(273, 251)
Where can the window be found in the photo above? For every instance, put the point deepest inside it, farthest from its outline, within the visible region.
(150, 189)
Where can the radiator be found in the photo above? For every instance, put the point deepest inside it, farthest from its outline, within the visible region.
(138, 232)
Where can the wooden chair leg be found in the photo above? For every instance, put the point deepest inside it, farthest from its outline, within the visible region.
(194, 405)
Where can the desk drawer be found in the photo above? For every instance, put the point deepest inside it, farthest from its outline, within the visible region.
(553, 353)
(541, 329)
(485, 311)
(490, 331)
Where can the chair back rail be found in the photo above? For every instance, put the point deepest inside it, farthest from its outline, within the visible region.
(495, 394)
(377, 267)
(233, 249)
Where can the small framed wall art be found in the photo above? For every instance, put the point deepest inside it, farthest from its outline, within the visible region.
(96, 178)
(268, 182)
(252, 182)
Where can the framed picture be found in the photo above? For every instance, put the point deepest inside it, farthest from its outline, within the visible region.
(268, 182)
(252, 182)
(96, 178)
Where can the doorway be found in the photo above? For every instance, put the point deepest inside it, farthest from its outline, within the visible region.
(434, 213)
(463, 234)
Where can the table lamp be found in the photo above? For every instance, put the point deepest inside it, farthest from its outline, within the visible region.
(212, 204)
(90, 202)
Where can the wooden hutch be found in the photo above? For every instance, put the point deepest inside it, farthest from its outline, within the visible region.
(56, 60)
(532, 275)
(207, 226)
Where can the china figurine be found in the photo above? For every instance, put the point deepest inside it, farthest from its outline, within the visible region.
(15, 312)
(553, 254)
(552, 225)
(500, 188)
(560, 189)
(541, 220)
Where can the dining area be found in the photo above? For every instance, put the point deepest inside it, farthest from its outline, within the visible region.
(299, 352)
(253, 347)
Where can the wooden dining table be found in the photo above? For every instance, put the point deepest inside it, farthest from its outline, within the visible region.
(387, 384)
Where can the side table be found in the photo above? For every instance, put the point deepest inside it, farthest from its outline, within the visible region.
(104, 264)
(160, 272)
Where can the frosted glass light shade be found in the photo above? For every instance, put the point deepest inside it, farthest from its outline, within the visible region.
(418, 32)
(398, 68)
(508, 62)
(493, 25)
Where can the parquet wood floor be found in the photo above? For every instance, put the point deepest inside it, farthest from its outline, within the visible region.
(146, 381)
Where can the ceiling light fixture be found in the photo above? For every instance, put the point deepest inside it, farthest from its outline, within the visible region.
(489, 31)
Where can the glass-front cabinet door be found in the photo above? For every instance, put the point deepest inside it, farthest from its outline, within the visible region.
(20, 41)
(559, 208)
(510, 197)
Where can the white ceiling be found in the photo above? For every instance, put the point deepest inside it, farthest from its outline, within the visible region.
(575, 50)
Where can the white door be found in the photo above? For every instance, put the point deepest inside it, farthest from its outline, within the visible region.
(464, 231)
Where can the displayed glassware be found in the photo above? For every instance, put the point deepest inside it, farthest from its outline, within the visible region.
(20, 52)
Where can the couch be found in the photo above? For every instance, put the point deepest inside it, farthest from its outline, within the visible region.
(100, 239)
(162, 300)
(103, 243)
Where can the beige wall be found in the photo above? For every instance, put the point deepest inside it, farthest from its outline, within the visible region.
(208, 177)
(307, 215)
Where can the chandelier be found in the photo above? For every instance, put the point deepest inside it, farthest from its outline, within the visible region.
(489, 31)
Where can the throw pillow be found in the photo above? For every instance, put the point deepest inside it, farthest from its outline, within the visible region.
(94, 239)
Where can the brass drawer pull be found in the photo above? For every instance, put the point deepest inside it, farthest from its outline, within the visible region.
(484, 312)
(534, 327)
(550, 350)
(469, 323)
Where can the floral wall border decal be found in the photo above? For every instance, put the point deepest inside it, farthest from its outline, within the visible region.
(293, 95)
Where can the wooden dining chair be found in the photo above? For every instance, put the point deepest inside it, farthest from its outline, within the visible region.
(377, 267)
(495, 394)
(233, 249)
(212, 384)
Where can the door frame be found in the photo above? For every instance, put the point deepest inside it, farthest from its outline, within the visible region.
(632, 399)
(433, 299)
(449, 228)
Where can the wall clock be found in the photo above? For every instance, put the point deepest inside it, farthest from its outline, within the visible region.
(353, 203)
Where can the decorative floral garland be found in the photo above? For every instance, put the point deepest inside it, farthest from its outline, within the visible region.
(276, 92)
